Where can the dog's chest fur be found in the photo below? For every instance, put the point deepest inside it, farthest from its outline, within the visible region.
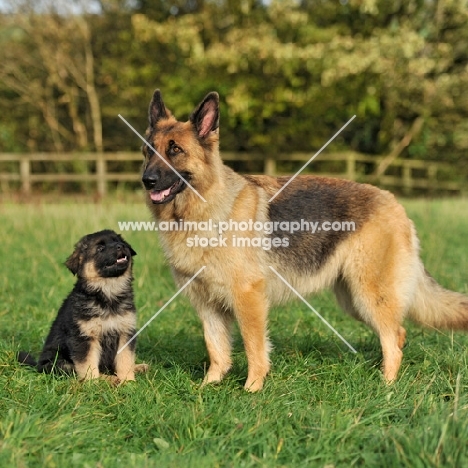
(97, 327)
(106, 308)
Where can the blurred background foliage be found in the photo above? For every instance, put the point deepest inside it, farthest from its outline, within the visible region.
(289, 73)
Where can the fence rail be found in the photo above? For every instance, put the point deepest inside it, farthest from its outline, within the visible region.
(406, 175)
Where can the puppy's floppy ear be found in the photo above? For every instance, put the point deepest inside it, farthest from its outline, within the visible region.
(73, 262)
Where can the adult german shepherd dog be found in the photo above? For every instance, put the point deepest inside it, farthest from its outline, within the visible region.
(374, 270)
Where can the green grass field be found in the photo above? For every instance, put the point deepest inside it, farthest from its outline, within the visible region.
(322, 406)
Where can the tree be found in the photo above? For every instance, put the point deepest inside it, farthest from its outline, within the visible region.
(49, 65)
(289, 73)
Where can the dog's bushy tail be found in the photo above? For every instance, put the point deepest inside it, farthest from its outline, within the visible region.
(46, 365)
(436, 307)
(25, 358)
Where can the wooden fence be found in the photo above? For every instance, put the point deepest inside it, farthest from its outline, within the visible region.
(19, 171)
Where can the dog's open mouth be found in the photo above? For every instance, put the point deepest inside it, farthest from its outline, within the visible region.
(122, 260)
(168, 194)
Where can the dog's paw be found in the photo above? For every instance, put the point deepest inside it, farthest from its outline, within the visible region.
(141, 368)
(112, 379)
(253, 386)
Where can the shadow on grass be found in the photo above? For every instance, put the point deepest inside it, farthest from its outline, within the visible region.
(185, 352)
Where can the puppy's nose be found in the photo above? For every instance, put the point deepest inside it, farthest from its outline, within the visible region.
(149, 180)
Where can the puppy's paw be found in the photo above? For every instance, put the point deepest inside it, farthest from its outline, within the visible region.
(112, 379)
(127, 377)
(141, 368)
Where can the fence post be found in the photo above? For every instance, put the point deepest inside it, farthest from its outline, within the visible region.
(25, 174)
(269, 167)
(407, 182)
(432, 177)
(101, 173)
(351, 166)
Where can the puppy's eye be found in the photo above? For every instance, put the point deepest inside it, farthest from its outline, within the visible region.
(100, 247)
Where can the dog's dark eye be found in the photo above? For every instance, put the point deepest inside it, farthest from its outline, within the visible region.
(100, 247)
(174, 148)
(148, 151)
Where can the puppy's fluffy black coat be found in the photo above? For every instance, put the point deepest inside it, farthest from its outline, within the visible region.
(98, 317)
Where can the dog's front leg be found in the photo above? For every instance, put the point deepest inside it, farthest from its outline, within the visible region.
(217, 331)
(86, 358)
(251, 308)
(125, 360)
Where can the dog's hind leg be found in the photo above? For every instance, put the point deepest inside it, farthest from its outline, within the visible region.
(392, 353)
(385, 316)
(380, 318)
(57, 367)
(376, 301)
(380, 272)
(53, 360)
(345, 300)
(141, 368)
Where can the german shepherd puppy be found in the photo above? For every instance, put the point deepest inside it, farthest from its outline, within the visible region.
(98, 317)
(374, 270)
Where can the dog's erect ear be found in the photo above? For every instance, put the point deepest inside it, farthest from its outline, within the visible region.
(132, 252)
(157, 109)
(73, 262)
(205, 117)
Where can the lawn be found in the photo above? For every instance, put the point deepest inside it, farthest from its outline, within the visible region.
(322, 406)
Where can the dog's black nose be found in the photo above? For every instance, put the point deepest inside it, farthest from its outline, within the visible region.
(149, 180)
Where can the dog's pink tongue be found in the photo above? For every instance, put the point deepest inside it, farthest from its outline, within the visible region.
(160, 195)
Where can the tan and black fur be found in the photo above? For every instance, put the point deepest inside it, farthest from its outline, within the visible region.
(375, 271)
(98, 317)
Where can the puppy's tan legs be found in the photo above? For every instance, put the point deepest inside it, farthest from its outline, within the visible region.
(112, 379)
(251, 309)
(217, 331)
(89, 367)
(141, 368)
(125, 360)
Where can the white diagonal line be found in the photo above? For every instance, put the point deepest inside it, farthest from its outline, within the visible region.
(312, 158)
(162, 159)
(313, 310)
(161, 309)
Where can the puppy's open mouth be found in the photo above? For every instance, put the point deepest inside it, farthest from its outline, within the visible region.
(168, 194)
(122, 260)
